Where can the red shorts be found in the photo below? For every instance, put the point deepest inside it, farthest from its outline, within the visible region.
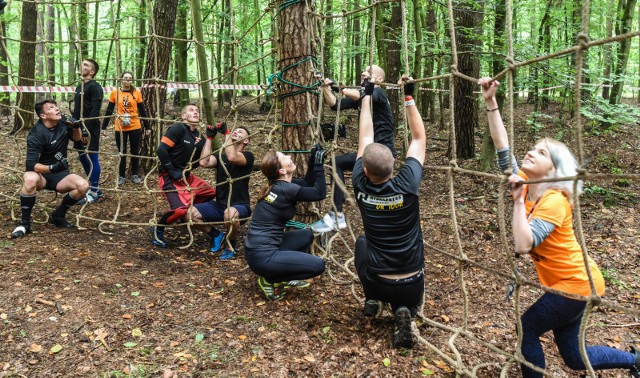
(179, 194)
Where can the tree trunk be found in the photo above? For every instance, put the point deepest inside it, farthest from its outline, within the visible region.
(5, 99)
(623, 51)
(297, 49)
(466, 112)
(357, 46)
(430, 24)
(417, 58)
(94, 49)
(389, 36)
(25, 102)
(142, 43)
(544, 46)
(83, 22)
(40, 74)
(329, 36)
(51, 36)
(182, 95)
(205, 90)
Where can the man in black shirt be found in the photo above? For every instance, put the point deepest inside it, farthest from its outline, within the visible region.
(232, 201)
(47, 166)
(179, 149)
(390, 257)
(86, 107)
(382, 130)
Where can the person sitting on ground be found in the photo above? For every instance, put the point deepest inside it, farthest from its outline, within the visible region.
(127, 125)
(280, 258)
(382, 129)
(543, 228)
(48, 167)
(389, 258)
(234, 167)
(180, 148)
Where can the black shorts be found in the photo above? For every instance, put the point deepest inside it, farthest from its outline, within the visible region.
(53, 179)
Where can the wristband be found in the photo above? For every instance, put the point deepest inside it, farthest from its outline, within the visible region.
(227, 132)
(408, 98)
(409, 103)
(492, 110)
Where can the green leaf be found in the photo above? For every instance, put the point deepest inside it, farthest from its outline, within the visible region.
(199, 337)
(386, 362)
(136, 332)
(326, 329)
(135, 293)
(130, 344)
(118, 286)
(55, 349)
(427, 372)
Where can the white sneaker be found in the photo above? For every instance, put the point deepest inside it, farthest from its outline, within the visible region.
(329, 223)
(342, 222)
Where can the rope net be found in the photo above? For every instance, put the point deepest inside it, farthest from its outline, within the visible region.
(454, 259)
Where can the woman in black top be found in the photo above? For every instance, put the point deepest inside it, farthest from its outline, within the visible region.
(279, 258)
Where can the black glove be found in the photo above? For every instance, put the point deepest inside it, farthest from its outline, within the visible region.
(175, 174)
(409, 88)
(222, 128)
(61, 165)
(211, 131)
(368, 87)
(70, 121)
(318, 154)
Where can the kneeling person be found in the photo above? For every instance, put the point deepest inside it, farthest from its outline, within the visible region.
(232, 201)
(48, 167)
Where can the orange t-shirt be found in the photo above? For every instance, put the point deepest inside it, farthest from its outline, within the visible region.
(126, 103)
(558, 259)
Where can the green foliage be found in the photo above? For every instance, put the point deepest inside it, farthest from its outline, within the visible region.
(605, 117)
(611, 277)
(535, 121)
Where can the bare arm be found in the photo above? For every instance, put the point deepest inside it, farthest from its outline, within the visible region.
(234, 156)
(522, 234)
(496, 126)
(365, 136)
(417, 148)
(207, 159)
(329, 97)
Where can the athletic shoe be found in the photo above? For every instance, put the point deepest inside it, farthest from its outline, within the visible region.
(136, 179)
(228, 254)
(92, 197)
(121, 180)
(372, 307)
(60, 222)
(21, 231)
(402, 335)
(216, 242)
(298, 284)
(330, 223)
(635, 370)
(273, 292)
(157, 235)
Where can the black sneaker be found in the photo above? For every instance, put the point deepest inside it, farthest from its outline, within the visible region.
(635, 370)
(60, 222)
(402, 335)
(21, 231)
(372, 307)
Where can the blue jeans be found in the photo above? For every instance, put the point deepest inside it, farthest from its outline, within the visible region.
(562, 316)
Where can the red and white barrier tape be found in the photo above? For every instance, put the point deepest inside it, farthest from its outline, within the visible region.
(61, 89)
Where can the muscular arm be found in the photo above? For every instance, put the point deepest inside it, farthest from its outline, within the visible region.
(234, 156)
(365, 136)
(496, 126)
(207, 159)
(418, 144)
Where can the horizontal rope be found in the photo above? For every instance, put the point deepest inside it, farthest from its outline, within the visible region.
(70, 89)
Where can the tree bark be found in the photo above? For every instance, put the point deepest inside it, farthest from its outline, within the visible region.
(5, 99)
(40, 74)
(182, 95)
(142, 42)
(625, 20)
(205, 90)
(25, 102)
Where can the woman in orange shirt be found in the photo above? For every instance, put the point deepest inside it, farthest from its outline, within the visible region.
(543, 227)
(127, 124)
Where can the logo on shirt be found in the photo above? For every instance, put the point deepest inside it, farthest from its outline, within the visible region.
(187, 141)
(382, 203)
(54, 141)
(271, 197)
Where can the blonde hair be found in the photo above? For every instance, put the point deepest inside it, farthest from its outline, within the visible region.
(565, 165)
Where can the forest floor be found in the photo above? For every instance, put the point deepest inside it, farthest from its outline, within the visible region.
(109, 304)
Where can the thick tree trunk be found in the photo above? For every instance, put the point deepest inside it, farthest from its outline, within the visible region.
(5, 100)
(25, 102)
(329, 36)
(142, 42)
(205, 90)
(182, 95)
(83, 22)
(51, 36)
(623, 51)
(40, 74)
(466, 112)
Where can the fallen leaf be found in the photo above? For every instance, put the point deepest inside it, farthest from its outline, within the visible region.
(55, 349)
(136, 332)
(309, 358)
(130, 344)
(135, 293)
(35, 348)
(386, 362)
(28, 308)
(242, 337)
(126, 316)
(199, 337)
(445, 318)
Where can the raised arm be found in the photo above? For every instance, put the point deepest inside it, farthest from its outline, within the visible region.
(496, 126)
(365, 136)
(418, 144)
(207, 159)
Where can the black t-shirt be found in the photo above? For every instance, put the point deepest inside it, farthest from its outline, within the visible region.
(185, 146)
(266, 229)
(91, 103)
(240, 188)
(391, 217)
(44, 143)
(382, 117)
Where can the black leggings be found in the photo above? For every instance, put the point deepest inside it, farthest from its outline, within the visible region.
(344, 162)
(134, 136)
(287, 263)
(406, 292)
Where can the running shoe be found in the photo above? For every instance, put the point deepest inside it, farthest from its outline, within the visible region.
(21, 231)
(60, 222)
(273, 292)
(402, 335)
(136, 179)
(298, 284)
(157, 235)
(372, 307)
(216, 242)
(330, 223)
(228, 254)
(121, 180)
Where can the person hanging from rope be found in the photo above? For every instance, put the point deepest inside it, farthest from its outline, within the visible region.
(47, 166)
(179, 149)
(389, 257)
(233, 170)
(86, 107)
(543, 228)
(383, 133)
(127, 125)
(280, 258)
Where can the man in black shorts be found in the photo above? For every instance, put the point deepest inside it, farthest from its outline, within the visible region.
(86, 107)
(179, 149)
(233, 166)
(48, 167)
(382, 130)
(389, 258)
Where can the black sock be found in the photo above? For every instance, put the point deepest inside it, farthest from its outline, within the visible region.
(65, 205)
(164, 220)
(214, 232)
(26, 205)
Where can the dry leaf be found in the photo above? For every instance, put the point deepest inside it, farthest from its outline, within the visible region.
(35, 348)
(445, 318)
(309, 358)
(126, 316)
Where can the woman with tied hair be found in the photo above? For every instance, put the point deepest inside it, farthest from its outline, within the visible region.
(543, 227)
(128, 104)
(280, 258)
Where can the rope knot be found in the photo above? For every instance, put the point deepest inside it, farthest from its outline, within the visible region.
(583, 39)
(595, 299)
